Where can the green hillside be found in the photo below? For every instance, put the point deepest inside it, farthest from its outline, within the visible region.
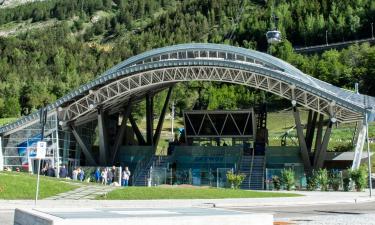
(48, 48)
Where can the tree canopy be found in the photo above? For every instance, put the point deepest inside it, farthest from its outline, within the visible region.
(37, 66)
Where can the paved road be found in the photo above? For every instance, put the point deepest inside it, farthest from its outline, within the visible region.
(6, 216)
(361, 213)
(349, 213)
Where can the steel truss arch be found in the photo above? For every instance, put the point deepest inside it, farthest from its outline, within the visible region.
(210, 62)
(145, 79)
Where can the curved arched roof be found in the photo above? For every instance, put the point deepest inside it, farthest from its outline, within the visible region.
(211, 54)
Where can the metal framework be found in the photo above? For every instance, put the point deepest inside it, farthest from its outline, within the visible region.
(161, 68)
(222, 123)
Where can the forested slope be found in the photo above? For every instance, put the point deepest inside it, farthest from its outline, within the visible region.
(40, 65)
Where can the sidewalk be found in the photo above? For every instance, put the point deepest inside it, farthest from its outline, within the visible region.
(309, 198)
(83, 192)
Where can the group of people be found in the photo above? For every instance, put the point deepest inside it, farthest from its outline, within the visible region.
(78, 174)
(48, 170)
(104, 176)
(107, 176)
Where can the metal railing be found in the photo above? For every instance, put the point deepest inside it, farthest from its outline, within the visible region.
(264, 171)
(141, 165)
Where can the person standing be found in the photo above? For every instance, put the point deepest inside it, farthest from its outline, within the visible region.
(81, 174)
(104, 176)
(50, 172)
(109, 176)
(97, 175)
(63, 173)
(114, 174)
(125, 177)
(75, 174)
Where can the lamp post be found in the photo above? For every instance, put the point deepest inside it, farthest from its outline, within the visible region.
(368, 156)
(372, 30)
(367, 108)
(327, 37)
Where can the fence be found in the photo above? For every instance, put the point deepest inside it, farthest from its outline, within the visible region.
(299, 176)
(190, 176)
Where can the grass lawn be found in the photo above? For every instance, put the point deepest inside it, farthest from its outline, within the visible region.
(22, 186)
(146, 193)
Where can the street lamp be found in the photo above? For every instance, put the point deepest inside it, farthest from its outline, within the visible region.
(368, 143)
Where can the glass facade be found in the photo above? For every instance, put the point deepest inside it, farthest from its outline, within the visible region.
(17, 146)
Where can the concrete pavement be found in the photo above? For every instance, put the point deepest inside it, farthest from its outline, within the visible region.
(84, 192)
(308, 198)
(317, 199)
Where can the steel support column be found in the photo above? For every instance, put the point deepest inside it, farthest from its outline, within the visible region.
(318, 140)
(322, 153)
(149, 119)
(161, 118)
(121, 131)
(308, 123)
(103, 144)
(311, 131)
(86, 152)
(141, 140)
(301, 139)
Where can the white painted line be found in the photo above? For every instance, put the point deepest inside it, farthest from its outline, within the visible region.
(146, 212)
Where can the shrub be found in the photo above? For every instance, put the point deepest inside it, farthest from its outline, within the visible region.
(335, 181)
(312, 183)
(322, 178)
(287, 178)
(346, 183)
(359, 177)
(276, 182)
(235, 179)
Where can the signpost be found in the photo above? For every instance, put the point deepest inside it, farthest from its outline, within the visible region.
(41, 148)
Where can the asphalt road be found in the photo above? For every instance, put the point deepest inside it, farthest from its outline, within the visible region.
(362, 213)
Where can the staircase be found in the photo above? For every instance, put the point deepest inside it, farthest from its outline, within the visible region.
(255, 175)
(156, 162)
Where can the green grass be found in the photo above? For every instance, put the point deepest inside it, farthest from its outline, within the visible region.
(22, 186)
(146, 193)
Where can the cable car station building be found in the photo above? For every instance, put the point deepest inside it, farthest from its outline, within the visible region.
(94, 124)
